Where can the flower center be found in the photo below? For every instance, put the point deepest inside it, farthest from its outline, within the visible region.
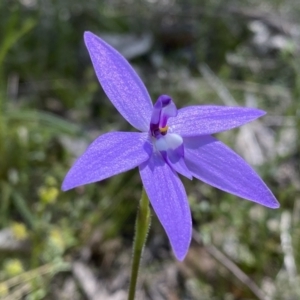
(168, 144)
(163, 109)
(164, 130)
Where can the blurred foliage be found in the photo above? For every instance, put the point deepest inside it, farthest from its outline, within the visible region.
(51, 107)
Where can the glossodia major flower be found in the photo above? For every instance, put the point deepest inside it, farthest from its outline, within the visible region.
(171, 141)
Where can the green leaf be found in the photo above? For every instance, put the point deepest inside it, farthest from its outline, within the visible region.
(23, 209)
(44, 119)
(5, 191)
(13, 35)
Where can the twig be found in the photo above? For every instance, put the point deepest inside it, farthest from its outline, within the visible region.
(93, 288)
(29, 275)
(20, 292)
(274, 21)
(88, 281)
(247, 136)
(258, 88)
(287, 247)
(231, 266)
(217, 85)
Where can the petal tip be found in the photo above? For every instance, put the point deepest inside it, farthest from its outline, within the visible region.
(65, 187)
(255, 113)
(87, 34)
(181, 247)
(270, 203)
(275, 205)
(180, 256)
(88, 37)
(261, 112)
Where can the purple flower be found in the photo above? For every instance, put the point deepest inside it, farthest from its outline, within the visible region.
(171, 141)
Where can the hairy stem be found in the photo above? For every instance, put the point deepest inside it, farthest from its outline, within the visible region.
(142, 225)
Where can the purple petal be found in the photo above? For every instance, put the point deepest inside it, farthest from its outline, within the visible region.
(171, 148)
(203, 120)
(214, 163)
(169, 201)
(120, 82)
(169, 109)
(163, 109)
(109, 154)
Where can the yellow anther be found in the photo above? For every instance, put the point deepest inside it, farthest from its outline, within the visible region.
(164, 129)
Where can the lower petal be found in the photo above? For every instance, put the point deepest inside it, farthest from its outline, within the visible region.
(169, 201)
(171, 148)
(214, 163)
(109, 154)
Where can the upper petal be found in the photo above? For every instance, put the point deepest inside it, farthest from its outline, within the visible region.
(205, 119)
(109, 154)
(163, 109)
(120, 82)
(214, 163)
(169, 201)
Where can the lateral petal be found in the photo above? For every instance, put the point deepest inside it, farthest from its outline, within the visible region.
(169, 201)
(214, 163)
(120, 82)
(109, 154)
(206, 119)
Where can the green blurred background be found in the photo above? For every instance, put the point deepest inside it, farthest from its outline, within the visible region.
(77, 245)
